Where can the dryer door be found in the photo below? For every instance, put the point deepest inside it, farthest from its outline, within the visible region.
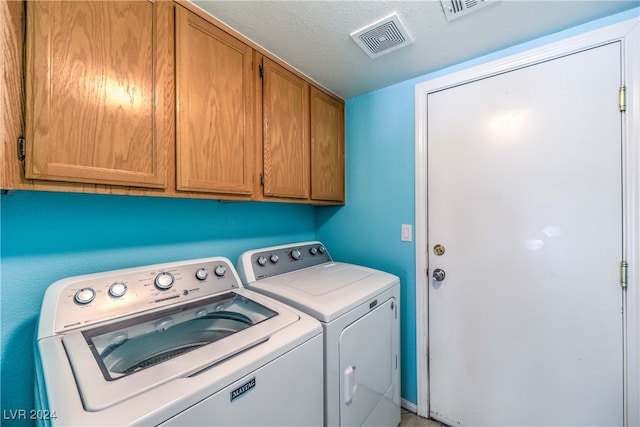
(368, 363)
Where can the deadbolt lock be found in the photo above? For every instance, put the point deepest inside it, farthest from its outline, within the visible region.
(438, 249)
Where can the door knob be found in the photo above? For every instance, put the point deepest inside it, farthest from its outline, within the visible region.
(439, 275)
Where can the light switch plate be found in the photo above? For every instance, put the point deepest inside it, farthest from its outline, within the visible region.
(407, 233)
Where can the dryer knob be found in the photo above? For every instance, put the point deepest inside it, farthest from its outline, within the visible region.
(296, 254)
(322, 249)
(262, 261)
(274, 258)
(84, 296)
(164, 280)
(313, 251)
(202, 274)
(220, 271)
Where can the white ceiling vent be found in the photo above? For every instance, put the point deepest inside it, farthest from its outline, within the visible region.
(456, 8)
(383, 36)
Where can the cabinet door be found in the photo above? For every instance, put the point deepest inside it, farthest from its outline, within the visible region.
(99, 86)
(327, 147)
(286, 133)
(215, 101)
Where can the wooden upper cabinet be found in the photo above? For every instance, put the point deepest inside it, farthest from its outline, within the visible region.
(157, 98)
(100, 103)
(327, 147)
(285, 104)
(214, 146)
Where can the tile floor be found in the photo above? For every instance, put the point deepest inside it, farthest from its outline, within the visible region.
(409, 419)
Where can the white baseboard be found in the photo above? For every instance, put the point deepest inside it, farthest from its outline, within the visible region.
(409, 406)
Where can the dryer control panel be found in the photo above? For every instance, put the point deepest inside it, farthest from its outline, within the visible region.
(268, 262)
(93, 298)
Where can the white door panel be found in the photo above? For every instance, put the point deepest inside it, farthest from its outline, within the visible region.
(524, 192)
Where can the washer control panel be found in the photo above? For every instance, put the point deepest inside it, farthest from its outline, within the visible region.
(283, 259)
(93, 298)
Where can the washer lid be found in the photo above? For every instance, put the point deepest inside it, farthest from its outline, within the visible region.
(115, 362)
(326, 291)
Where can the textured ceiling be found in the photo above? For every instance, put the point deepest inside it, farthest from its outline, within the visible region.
(314, 36)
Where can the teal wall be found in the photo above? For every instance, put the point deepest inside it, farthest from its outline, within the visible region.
(49, 236)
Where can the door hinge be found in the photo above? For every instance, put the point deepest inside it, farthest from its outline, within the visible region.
(22, 148)
(261, 71)
(622, 99)
(623, 274)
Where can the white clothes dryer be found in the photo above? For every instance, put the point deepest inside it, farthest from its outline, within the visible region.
(359, 311)
(181, 343)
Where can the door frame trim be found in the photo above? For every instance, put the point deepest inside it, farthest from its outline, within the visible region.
(628, 32)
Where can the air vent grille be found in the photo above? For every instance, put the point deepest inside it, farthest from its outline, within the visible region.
(383, 36)
(456, 8)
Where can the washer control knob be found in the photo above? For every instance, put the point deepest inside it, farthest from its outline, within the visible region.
(313, 251)
(322, 249)
(202, 274)
(274, 258)
(118, 289)
(296, 254)
(262, 261)
(164, 281)
(84, 296)
(220, 271)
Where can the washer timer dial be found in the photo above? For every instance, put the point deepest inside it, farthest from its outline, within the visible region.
(164, 281)
(118, 289)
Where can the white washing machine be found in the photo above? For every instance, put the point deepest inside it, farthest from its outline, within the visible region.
(359, 311)
(175, 344)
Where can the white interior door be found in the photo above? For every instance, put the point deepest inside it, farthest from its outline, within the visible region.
(524, 194)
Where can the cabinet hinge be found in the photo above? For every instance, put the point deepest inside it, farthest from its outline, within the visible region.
(262, 180)
(261, 71)
(622, 99)
(22, 148)
(623, 274)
